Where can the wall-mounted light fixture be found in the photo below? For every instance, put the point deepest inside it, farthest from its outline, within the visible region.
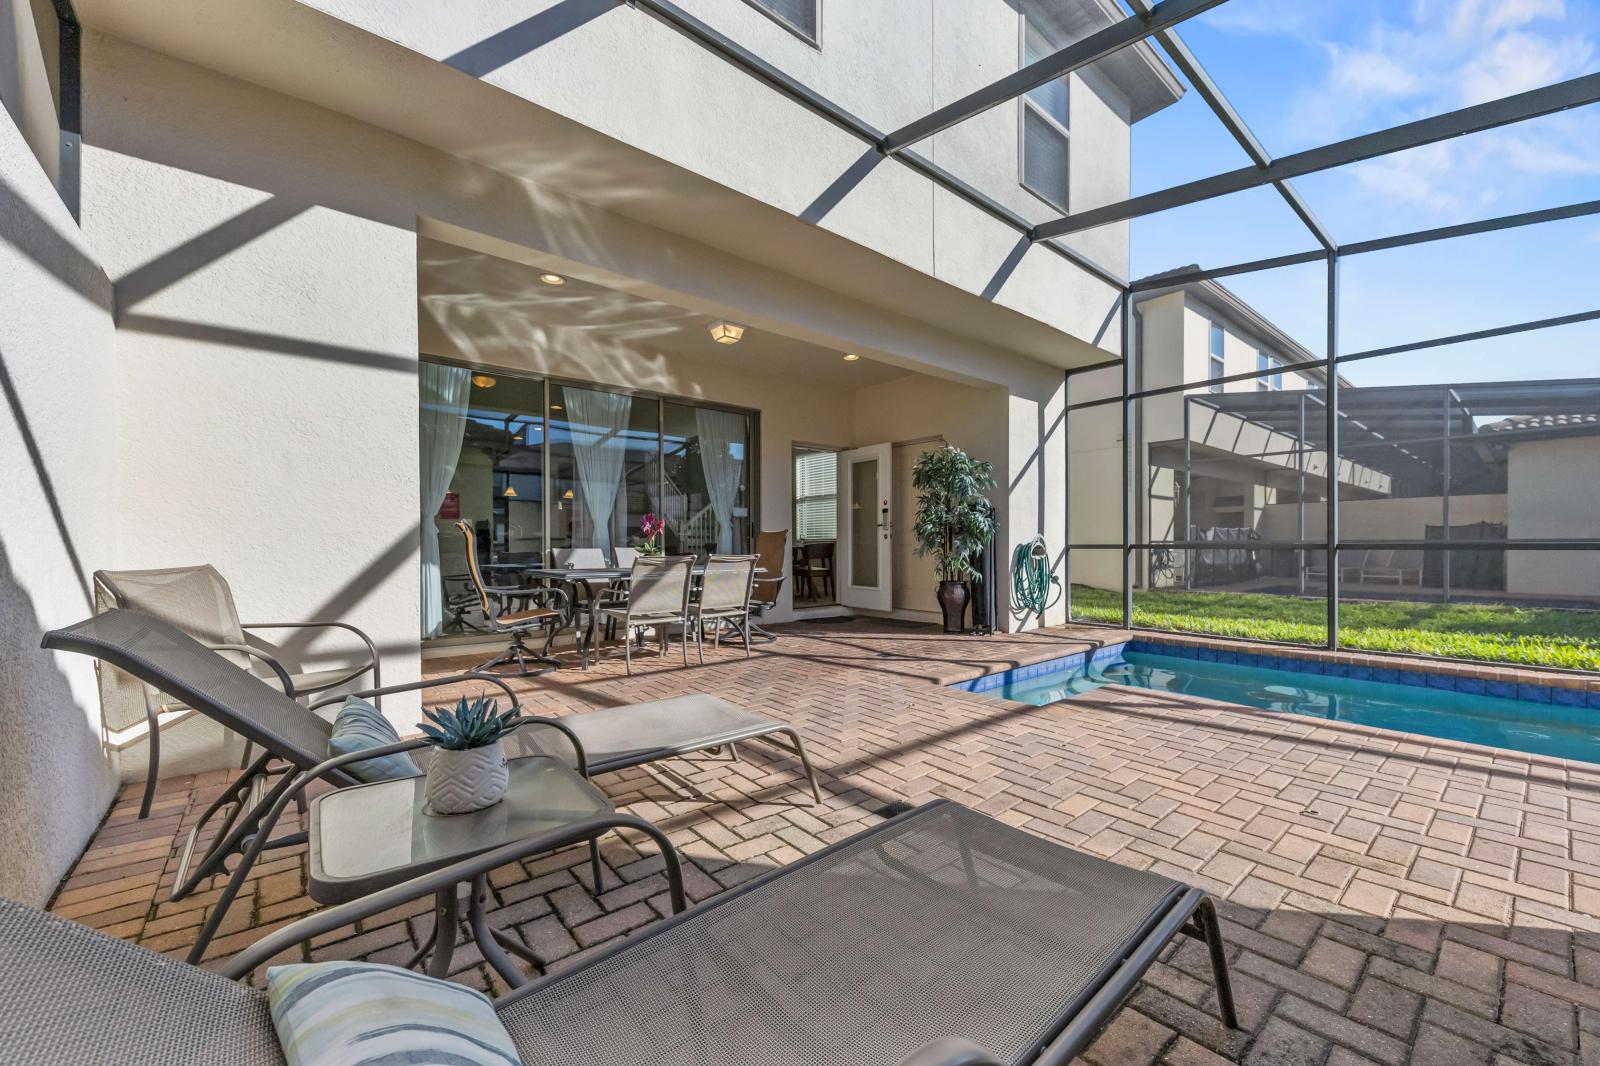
(725, 332)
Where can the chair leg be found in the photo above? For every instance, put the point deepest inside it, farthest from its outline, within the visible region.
(745, 631)
(685, 641)
(1206, 916)
(627, 649)
(594, 864)
(700, 639)
(153, 763)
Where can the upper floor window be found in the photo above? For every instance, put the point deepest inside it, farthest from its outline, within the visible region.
(1046, 135)
(1216, 366)
(1273, 382)
(802, 16)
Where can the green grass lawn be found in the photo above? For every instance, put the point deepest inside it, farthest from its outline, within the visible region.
(1537, 636)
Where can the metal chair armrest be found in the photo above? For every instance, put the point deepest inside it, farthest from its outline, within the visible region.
(417, 686)
(251, 650)
(372, 662)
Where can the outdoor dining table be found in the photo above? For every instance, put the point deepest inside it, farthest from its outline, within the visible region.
(588, 578)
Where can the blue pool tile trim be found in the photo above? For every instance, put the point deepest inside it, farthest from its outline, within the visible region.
(1075, 661)
(1476, 686)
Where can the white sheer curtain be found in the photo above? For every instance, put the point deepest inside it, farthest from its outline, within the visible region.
(720, 432)
(598, 419)
(444, 391)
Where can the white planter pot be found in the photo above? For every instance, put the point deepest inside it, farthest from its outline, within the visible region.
(460, 782)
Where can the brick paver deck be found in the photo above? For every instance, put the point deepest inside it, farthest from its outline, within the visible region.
(1387, 898)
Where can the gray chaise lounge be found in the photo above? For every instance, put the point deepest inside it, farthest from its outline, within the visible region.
(294, 740)
(939, 938)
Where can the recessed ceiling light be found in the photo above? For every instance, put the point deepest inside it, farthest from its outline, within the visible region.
(851, 357)
(725, 332)
(556, 407)
(552, 279)
(483, 381)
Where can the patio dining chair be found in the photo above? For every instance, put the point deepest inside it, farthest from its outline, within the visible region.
(515, 611)
(657, 596)
(198, 601)
(771, 552)
(724, 600)
(940, 937)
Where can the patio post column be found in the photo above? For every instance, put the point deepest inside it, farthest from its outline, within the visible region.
(1066, 495)
(1332, 471)
(1127, 460)
(1445, 501)
(1300, 496)
(1188, 526)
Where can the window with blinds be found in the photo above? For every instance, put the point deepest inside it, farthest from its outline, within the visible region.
(801, 16)
(816, 496)
(1046, 136)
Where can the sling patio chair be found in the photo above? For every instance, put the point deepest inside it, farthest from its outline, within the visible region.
(198, 601)
(724, 600)
(657, 597)
(939, 938)
(294, 739)
(511, 610)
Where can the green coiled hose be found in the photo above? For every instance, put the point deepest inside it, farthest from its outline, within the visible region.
(1031, 579)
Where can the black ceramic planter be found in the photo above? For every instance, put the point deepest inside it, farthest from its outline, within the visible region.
(953, 598)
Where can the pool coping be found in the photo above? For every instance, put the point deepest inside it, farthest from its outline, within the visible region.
(1516, 683)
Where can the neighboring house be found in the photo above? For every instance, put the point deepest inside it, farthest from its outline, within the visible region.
(1252, 457)
(287, 234)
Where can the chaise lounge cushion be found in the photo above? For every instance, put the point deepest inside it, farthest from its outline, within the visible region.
(339, 1013)
(359, 726)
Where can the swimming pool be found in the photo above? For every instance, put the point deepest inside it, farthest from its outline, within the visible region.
(1542, 728)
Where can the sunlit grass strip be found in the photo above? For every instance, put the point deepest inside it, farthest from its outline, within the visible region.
(1535, 636)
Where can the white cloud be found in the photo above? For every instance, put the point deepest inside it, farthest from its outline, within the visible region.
(1476, 18)
(1371, 72)
(1517, 62)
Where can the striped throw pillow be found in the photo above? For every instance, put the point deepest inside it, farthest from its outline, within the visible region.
(359, 726)
(354, 1013)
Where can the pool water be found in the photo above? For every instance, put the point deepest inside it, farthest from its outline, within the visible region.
(1539, 728)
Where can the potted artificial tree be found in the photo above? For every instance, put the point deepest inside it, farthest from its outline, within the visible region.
(468, 770)
(954, 521)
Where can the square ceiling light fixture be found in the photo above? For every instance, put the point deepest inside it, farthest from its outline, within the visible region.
(725, 332)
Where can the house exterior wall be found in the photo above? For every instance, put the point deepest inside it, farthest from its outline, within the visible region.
(58, 477)
(1548, 497)
(624, 74)
(264, 256)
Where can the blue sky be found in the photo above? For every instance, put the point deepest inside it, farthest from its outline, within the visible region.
(1307, 72)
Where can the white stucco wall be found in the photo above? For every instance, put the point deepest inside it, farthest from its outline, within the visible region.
(624, 74)
(58, 477)
(1549, 494)
(265, 256)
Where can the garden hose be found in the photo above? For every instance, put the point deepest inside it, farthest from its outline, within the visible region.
(1031, 579)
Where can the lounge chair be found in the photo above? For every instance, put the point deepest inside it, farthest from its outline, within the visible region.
(938, 938)
(198, 601)
(294, 739)
(1392, 566)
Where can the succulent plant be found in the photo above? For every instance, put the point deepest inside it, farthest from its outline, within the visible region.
(474, 724)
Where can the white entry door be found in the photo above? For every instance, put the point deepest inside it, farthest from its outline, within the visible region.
(865, 574)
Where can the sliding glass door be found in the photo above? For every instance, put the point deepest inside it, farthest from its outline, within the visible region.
(532, 465)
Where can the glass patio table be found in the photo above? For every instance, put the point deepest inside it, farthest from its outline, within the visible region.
(367, 838)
